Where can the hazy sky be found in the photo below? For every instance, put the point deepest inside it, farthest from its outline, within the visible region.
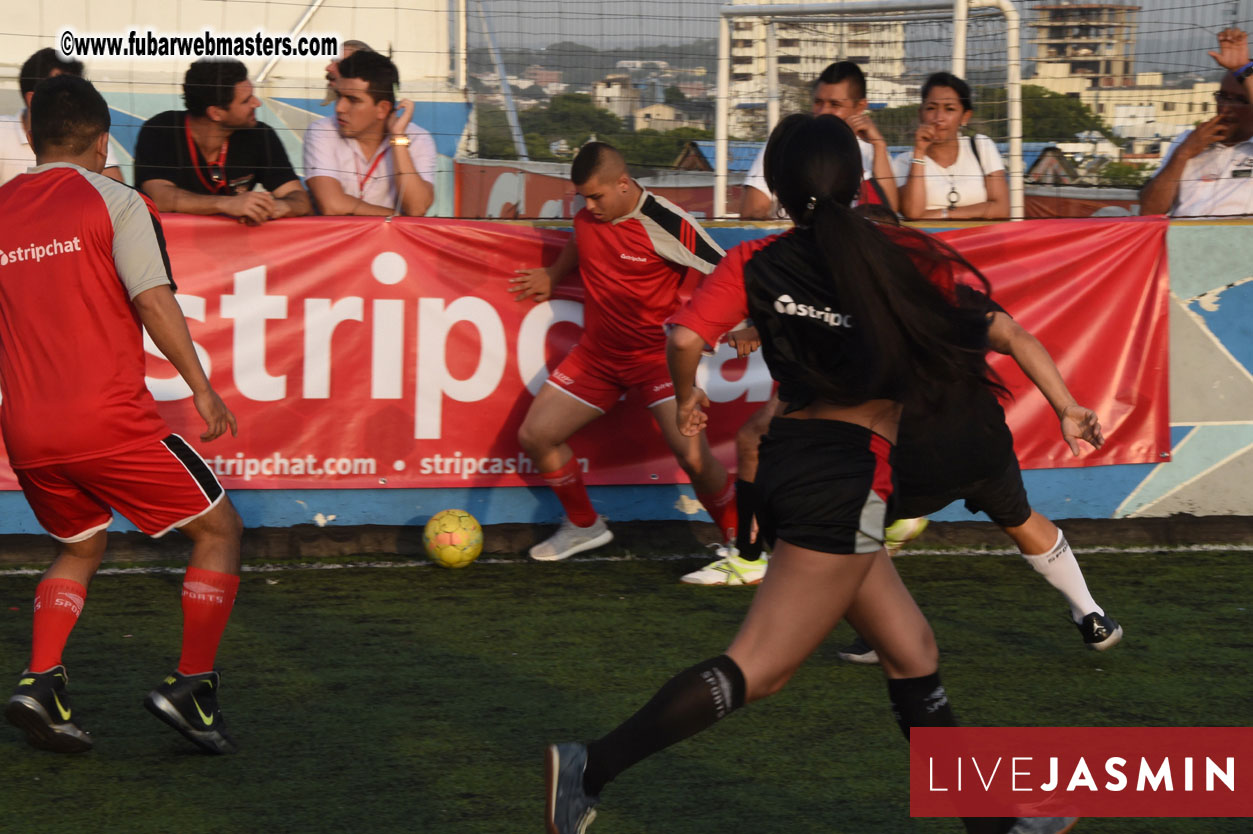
(1174, 34)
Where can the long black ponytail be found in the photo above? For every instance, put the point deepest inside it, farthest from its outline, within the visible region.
(912, 341)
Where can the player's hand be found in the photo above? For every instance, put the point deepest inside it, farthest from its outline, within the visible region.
(1079, 423)
(691, 417)
(217, 417)
(282, 208)
(399, 121)
(251, 206)
(1233, 49)
(1204, 135)
(923, 137)
(535, 284)
(744, 341)
(864, 127)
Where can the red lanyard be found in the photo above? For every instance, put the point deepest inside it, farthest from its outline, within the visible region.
(223, 183)
(362, 181)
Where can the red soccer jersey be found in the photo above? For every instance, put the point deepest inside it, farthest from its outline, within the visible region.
(632, 268)
(75, 248)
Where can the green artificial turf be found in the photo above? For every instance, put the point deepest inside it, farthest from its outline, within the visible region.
(420, 699)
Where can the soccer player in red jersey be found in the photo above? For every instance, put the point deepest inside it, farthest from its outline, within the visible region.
(632, 249)
(82, 267)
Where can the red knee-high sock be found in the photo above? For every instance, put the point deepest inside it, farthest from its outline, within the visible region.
(208, 597)
(721, 507)
(58, 602)
(567, 482)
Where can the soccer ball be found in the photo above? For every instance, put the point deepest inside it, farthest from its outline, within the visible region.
(453, 538)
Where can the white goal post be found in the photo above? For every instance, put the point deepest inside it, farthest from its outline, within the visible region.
(960, 14)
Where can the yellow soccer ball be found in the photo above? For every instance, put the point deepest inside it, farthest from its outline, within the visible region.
(453, 538)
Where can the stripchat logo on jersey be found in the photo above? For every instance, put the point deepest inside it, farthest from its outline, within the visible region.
(36, 252)
(788, 307)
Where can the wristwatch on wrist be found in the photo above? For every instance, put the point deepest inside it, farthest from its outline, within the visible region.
(1244, 71)
(400, 141)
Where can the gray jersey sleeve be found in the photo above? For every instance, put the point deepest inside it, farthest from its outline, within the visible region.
(138, 241)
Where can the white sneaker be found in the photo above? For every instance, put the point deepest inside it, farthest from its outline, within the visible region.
(569, 540)
(728, 569)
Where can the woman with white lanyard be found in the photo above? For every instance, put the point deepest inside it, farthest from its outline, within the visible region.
(948, 176)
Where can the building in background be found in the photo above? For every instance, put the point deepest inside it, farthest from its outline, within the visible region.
(1093, 41)
(803, 51)
(1087, 51)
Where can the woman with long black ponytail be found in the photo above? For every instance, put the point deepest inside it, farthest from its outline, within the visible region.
(856, 320)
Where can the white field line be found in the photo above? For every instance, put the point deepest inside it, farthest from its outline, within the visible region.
(283, 567)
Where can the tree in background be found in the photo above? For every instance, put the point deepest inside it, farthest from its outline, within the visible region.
(674, 95)
(573, 118)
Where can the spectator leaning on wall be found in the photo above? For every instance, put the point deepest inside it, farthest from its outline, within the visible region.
(368, 158)
(1208, 171)
(208, 158)
(16, 154)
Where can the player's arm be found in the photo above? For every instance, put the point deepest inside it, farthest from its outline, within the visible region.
(1008, 337)
(113, 172)
(290, 200)
(329, 194)
(163, 319)
(881, 164)
(537, 283)
(252, 206)
(683, 351)
(416, 194)
(755, 205)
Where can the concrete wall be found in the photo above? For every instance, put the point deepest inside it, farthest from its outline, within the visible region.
(1211, 471)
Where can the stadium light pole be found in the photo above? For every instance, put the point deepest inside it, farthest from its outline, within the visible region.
(851, 8)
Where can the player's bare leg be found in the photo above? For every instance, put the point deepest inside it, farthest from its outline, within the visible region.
(905, 642)
(552, 419)
(1045, 548)
(78, 561)
(188, 699)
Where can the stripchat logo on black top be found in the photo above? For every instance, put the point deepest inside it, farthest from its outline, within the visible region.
(788, 307)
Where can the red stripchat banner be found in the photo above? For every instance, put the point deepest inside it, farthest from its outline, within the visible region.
(1081, 772)
(358, 353)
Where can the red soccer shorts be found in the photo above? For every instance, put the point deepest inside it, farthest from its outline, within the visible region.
(159, 486)
(600, 381)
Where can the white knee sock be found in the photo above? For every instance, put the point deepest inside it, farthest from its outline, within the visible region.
(1061, 570)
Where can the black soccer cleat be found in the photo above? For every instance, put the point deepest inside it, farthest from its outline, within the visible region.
(1100, 631)
(40, 708)
(189, 704)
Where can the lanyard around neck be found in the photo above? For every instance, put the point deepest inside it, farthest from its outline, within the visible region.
(223, 183)
(362, 179)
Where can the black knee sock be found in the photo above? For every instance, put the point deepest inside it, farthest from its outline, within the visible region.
(746, 510)
(922, 702)
(689, 702)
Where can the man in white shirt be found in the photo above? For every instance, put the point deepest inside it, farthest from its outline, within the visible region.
(840, 91)
(368, 159)
(1208, 171)
(16, 154)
